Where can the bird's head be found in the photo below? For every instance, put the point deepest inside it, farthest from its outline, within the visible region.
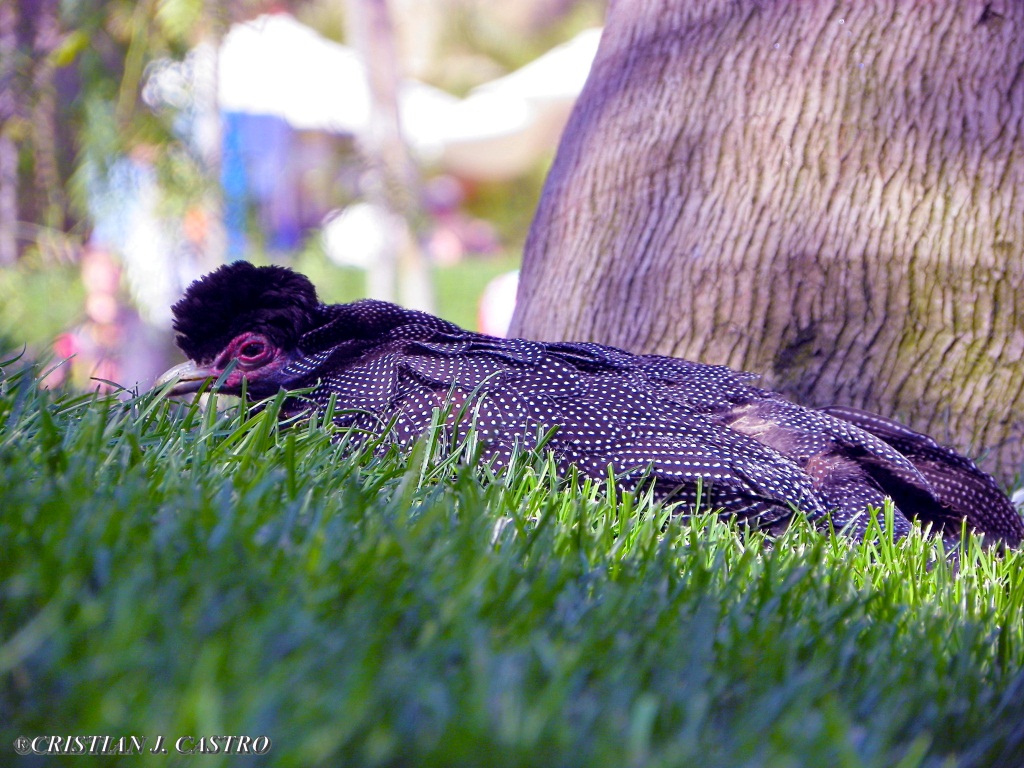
(245, 318)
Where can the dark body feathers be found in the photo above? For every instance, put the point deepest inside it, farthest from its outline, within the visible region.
(687, 427)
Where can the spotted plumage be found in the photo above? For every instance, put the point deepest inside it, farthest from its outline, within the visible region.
(697, 432)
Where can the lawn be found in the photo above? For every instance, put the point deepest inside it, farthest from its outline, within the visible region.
(178, 572)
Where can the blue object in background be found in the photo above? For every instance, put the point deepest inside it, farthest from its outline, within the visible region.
(256, 171)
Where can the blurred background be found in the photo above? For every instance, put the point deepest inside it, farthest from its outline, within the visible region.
(386, 148)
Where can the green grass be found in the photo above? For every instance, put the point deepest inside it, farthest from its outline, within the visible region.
(169, 571)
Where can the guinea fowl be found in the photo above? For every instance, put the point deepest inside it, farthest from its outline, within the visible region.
(700, 433)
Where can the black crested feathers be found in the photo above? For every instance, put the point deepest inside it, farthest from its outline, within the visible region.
(274, 301)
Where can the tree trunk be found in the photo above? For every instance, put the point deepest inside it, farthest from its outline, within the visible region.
(826, 193)
(48, 183)
(210, 131)
(390, 180)
(8, 149)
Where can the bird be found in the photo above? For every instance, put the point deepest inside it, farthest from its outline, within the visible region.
(696, 434)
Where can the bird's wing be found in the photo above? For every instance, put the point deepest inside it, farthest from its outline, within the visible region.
(605, 418)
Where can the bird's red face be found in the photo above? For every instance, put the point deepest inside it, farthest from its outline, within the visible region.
(256, 360)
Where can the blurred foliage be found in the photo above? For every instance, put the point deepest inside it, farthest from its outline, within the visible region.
(38, 302)
(509, 205)
(79, 67)
(80, 64)
(457, 287)
(76, 87)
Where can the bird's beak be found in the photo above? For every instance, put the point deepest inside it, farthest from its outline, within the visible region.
(189, 376)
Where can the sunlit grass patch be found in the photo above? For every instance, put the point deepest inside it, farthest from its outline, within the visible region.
(171, 571)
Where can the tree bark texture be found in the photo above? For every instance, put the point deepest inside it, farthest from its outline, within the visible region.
(826, 193)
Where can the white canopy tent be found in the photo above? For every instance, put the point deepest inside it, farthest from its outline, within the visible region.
(504, 126)
(275, 65)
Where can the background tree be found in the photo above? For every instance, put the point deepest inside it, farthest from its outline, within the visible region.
(391, 182)
(34, 143)
(8, 149)
(827, 193)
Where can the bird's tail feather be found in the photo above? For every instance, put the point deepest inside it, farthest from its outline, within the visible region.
(957, 483)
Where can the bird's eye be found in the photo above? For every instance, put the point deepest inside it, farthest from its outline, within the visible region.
(253, 349)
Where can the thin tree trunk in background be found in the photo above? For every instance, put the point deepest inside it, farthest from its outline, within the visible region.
(49, 187)
(8, 150)
(826, 193)
(210, 131)
(390, 181)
